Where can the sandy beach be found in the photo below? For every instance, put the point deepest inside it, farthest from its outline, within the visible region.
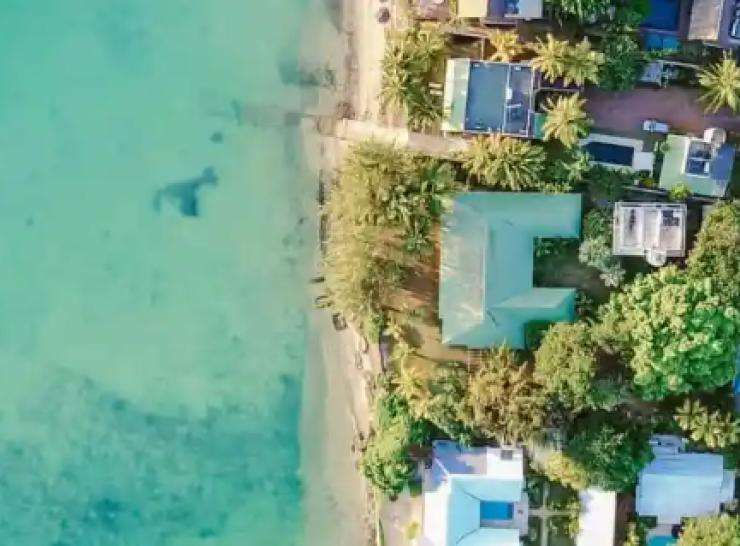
(336, 405)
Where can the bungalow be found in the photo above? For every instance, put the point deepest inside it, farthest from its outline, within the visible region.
(704, 165)
(486, 293)
(500, 11)
(715, 22)
(655, 231)
(491, 97)
(677, 485)
(474, 497)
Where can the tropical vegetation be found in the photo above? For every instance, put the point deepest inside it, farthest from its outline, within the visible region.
(566, 120)
(623, 62)
(719, 530)
(504, 162)
(506, 45)
(721, 83)
(409, 60)
(712, 429)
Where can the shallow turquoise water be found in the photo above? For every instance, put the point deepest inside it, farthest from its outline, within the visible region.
(155, 235)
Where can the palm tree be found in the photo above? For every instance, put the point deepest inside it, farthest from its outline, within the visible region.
(582, 64)
(566, 121)
(550, 56)
(506, 45)
(721, 83)
(505, 162)
(689, 414)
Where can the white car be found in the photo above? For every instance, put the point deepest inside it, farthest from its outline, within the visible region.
(655, 126)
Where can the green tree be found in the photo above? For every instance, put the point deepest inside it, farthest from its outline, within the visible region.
(562, 469)
(408, 61)
(610, 450)
(679, 192)
(503, 402)
(677, 333)
(716, 254)
(582, 64)
(566, 120)
(720, 530)
(386, 461)
(721, 83)
(550, 56)
(582, 10)
(715, 430)
(566, 365)
(623, 62)
(446, 407)
(506, 45)
(505, 162)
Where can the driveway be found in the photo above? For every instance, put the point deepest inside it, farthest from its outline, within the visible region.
(679, 107)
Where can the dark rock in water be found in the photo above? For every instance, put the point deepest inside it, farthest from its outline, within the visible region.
(185, 194)
(383, 15)
(217, 137)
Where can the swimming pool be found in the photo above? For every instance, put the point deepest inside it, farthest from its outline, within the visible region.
(607, 152)
(664, 15)
(496, 510)
(661, 541)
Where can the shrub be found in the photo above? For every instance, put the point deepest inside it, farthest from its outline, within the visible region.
(623, 62)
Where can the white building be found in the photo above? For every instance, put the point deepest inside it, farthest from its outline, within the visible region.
(656, 231)
(677, 485)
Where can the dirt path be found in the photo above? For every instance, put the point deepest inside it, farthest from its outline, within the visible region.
(677, 106)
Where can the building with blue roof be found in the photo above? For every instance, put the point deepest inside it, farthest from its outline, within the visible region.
(487, 293)
(677, 485)
(475, 497)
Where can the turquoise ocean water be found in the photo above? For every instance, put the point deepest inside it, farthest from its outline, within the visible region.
(156, 227)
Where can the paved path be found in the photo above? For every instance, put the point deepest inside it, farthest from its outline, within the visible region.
(677, 106)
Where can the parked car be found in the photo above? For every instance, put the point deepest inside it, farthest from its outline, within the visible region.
(655, 126)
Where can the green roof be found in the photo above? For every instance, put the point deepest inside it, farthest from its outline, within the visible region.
(487, 294)
(674, 172)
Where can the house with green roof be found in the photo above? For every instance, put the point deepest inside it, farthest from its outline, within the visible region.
(487, 293)
(488, 97)
(703, 165)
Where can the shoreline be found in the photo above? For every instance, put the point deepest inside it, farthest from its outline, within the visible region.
(336, 410)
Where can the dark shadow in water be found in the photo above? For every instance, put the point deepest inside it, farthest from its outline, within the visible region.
(305, 75)
(335, 11)
(184, 195)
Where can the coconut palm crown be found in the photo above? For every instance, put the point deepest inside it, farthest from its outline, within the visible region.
(721, 83)
(582, 64)
(550, 56)
(566, 120)
(505, 162)
(506, 45)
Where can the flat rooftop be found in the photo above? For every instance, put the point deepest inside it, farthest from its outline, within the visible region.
(650, 229)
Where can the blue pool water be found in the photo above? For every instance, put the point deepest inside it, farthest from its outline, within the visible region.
(662, 541)
(664, 15)
(496, 511)
(606, 152)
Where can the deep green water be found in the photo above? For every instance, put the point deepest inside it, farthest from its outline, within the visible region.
(156, 226)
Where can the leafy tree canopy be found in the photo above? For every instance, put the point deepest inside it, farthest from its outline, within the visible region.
(505, 162)
(716, 254)
(623, 62)
(677, 332)
(611, 451)
(721, 530)
(582, 10)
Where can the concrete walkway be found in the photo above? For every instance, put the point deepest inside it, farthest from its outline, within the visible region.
(677, 106)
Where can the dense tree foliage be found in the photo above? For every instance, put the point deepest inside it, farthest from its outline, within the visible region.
(562, 469)
(721, 530)
(409, 58)
(716, 254)
(713, 429)
(566, 120)
(582, 64)
(676, 331)
(505, 162)
(623, 62)
(721, 83)
(387, 462)
(596, 248)
(582, 10)
(503, 402)
(611, 451)
(379, 215)
(566, 365)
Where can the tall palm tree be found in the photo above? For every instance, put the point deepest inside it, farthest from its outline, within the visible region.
(413, 385)
(566, 120)
(689, 414)
(505, 162)
(506, 45)
(550, 56)
(721, 83)
(582, 64)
